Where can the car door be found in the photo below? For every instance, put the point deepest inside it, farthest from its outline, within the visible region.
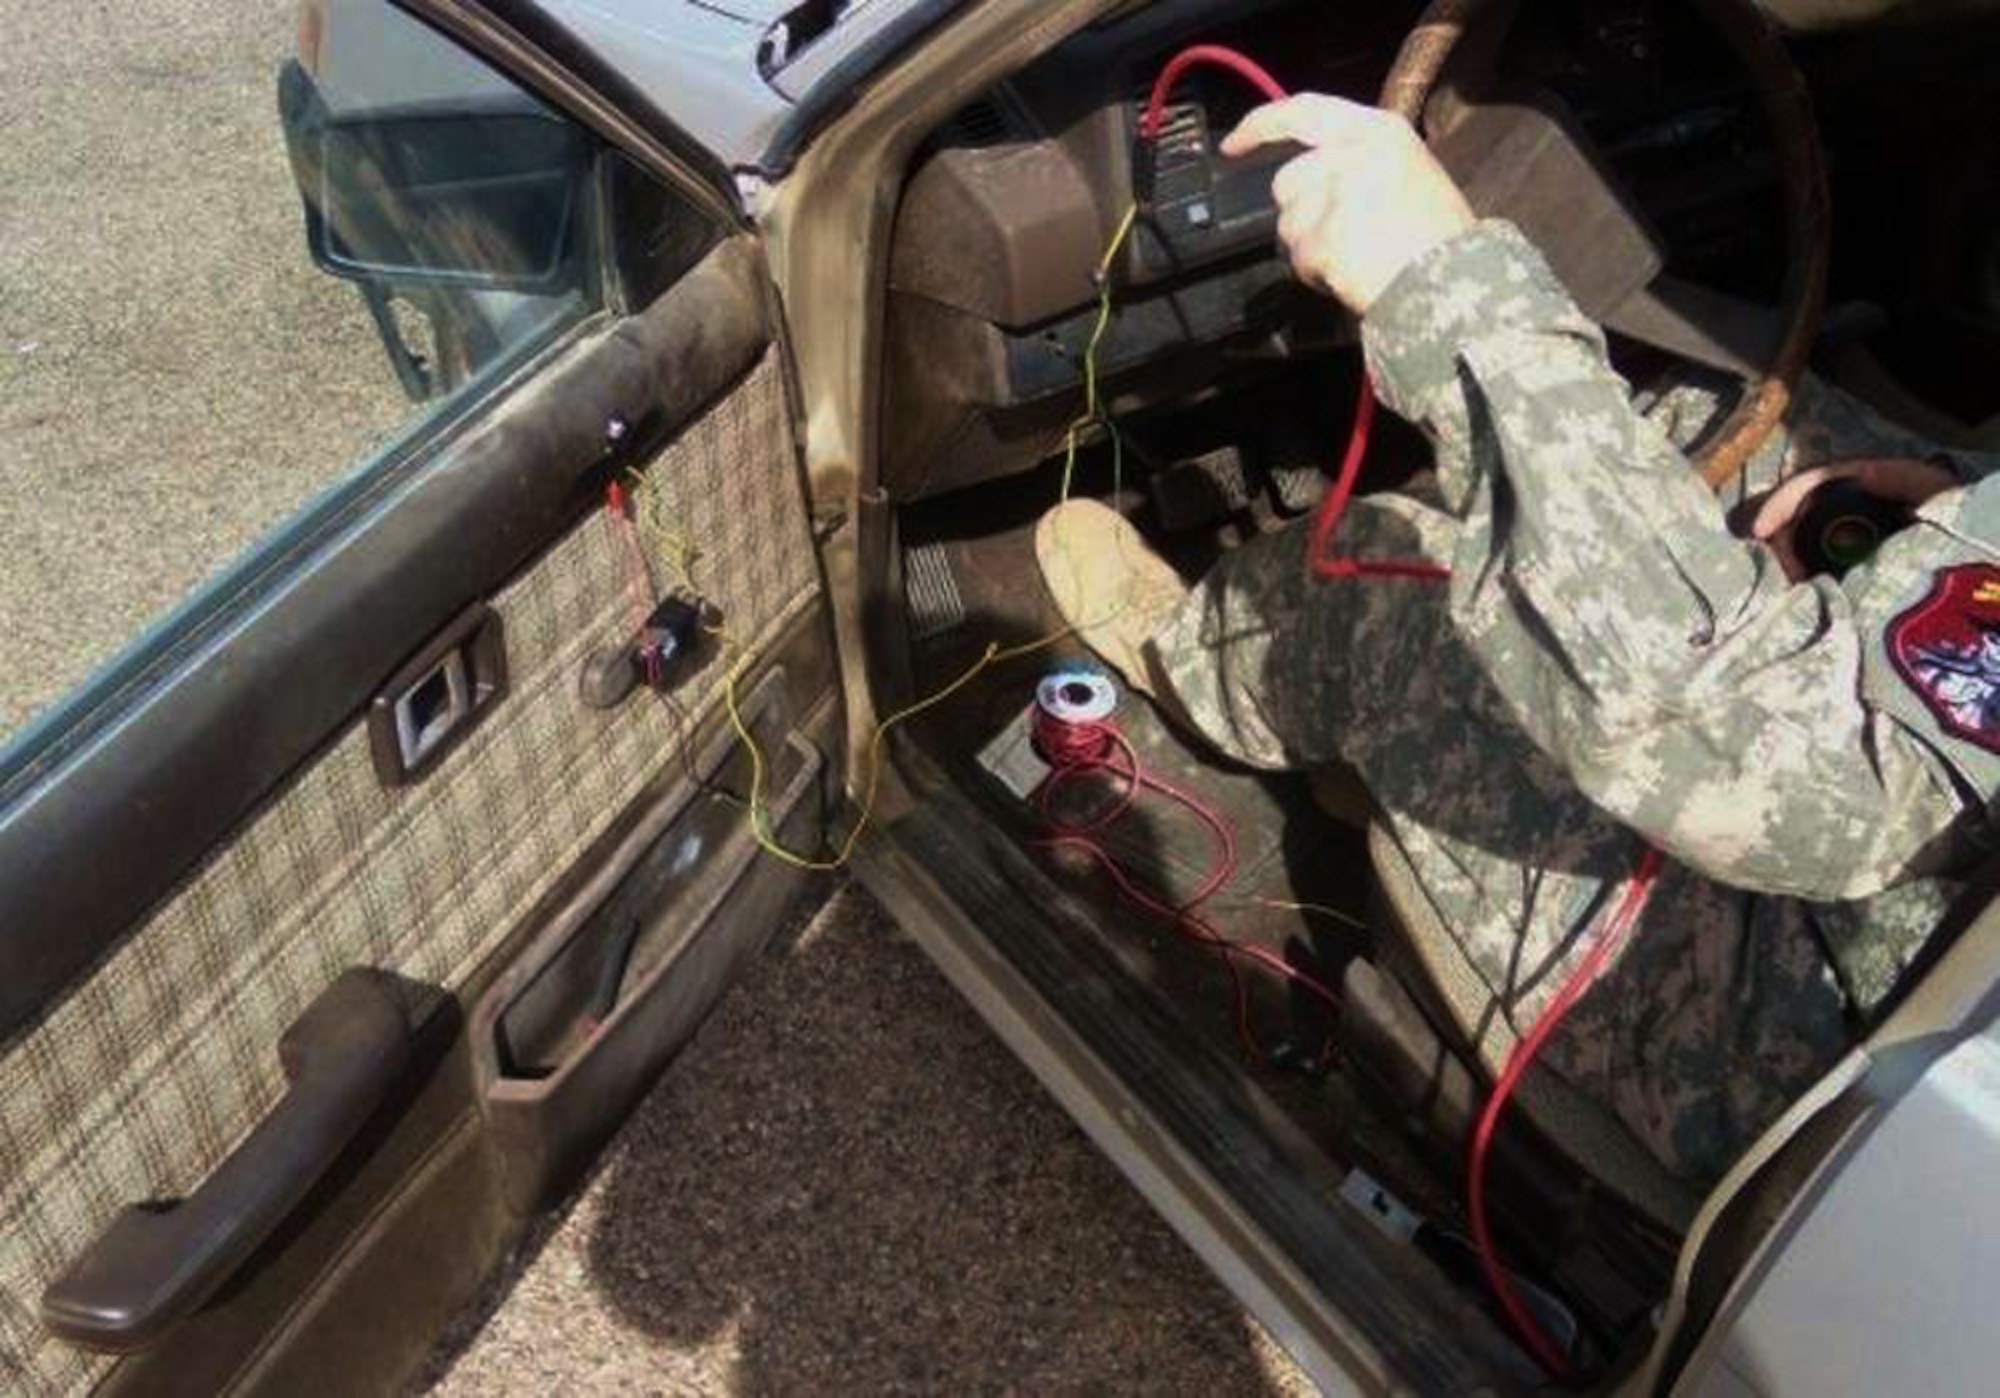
(347, 907)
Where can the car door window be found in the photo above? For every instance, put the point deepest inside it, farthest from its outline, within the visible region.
(220, 326)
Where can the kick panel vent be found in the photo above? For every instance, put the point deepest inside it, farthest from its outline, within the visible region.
(930, 592)
(985, 121)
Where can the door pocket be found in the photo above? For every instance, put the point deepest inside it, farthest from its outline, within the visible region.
(581, 1024)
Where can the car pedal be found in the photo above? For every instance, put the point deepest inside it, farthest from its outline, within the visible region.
(1291, 455)
(931, 599)
(1201, 491)
(1299, 489)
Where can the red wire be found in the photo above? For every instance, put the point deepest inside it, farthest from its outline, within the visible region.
(1319, 552)
(1324, 563)
(1638, 890)
(1198, 55)
(1087, 748)
(1187, 925)
(1204, 932)
(638, 577)
(1075, 750)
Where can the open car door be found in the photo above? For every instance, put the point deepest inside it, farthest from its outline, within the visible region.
(348, 911)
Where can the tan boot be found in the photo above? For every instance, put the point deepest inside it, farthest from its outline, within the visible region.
(1113, 589)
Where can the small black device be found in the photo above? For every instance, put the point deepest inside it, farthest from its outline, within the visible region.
(655, 658)
(669, 633)
(1196, 206)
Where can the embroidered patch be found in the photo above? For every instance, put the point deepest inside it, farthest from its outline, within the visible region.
(1947, 648)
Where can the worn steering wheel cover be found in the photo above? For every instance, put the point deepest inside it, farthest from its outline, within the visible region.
(1787, 106)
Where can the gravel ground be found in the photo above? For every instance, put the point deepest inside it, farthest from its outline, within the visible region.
(175, 376)
(846, 1185)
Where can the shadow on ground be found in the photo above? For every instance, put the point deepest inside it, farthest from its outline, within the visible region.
(847, 1184)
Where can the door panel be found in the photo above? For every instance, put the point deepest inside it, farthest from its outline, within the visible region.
(171, 759)
(135, 1083)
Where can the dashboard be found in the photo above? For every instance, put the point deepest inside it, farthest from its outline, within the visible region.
(1009, 209)
(1010, 206)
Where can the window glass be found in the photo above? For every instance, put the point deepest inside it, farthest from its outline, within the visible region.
(215, 305)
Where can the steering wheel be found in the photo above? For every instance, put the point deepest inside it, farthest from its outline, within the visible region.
(1461, 40)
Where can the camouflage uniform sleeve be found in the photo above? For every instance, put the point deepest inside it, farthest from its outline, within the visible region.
(1680, 680)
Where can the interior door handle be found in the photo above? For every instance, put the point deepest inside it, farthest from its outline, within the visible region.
(154, 1266)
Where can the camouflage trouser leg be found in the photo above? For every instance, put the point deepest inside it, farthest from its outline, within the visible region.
(1721, 1009)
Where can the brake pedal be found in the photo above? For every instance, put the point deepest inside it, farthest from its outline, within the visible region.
(1201, 491)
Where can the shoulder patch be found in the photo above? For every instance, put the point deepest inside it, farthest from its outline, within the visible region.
(1947, 649)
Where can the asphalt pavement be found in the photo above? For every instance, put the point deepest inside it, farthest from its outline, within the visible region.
(846, 1184)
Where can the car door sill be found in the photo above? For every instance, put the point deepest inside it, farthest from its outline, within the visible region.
(1252, 1197)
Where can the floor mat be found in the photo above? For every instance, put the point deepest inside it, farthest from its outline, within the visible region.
(1302, 880)
(1302, 892)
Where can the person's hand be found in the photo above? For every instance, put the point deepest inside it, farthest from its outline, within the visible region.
(1365, 200)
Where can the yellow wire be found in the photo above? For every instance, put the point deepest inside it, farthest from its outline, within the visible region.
(994, 654)
(681, 559)
(1322, 909)
(759, 821)
(1093, 412)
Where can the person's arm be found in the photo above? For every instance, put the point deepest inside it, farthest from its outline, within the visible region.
(1682, 683)
(1686, 686)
